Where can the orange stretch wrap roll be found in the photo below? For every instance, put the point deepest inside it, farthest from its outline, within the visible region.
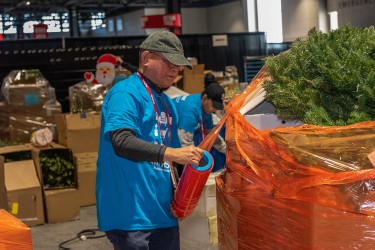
(190, 187)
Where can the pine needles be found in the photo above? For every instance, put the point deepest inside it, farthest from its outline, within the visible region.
(325, 79)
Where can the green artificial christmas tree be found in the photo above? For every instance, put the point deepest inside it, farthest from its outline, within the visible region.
(326, 78)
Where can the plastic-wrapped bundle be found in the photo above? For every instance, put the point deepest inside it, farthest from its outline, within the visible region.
(31, 103)
(86, 97)
(304, 187)
(4, 118)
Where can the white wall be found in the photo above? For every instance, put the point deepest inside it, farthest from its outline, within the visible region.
(332, 5)
(194, 21)
(224, 18)
(299, 16)
(132, 24)
(227, 18)
(323, 16)
(356, 13)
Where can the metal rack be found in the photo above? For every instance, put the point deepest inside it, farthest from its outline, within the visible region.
(252, 65)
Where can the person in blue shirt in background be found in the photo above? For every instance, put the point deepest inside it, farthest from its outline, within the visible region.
(195, 120)
(138, 143)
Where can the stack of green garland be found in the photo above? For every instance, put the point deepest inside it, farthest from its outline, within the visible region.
(326, 78)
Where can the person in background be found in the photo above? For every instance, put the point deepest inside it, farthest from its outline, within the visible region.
(195, 120)
(208, 79)
(220, 157)
(138, 143)
(126, 65)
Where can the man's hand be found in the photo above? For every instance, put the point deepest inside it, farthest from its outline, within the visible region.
(185, 155)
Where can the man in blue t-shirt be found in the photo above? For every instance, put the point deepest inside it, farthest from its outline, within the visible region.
(195, 120)
(138, 143)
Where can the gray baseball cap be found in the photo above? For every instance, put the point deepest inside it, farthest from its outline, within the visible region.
(169, 44)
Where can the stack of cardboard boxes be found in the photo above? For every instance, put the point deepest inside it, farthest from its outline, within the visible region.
(22, 187)
(80, 133)
(191, 80)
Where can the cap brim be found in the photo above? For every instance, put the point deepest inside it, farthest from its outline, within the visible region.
(177, 59)
(218, 105)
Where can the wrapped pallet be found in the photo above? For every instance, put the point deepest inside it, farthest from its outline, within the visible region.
(85, 97)
(4, 118)
(31, 103)
(303, 187)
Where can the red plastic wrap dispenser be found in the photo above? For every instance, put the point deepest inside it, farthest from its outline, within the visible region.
(190, 187)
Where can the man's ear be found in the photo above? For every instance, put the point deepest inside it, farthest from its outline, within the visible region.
(204, 97)
(145, 56)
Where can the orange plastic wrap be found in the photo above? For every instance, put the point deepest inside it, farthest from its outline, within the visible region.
(13, 233)
(305, 187)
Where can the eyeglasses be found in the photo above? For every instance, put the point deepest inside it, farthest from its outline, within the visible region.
(170, 65)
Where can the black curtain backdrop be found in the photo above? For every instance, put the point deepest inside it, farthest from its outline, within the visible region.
(63, 61)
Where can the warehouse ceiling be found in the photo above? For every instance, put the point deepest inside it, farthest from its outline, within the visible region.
(110, 7)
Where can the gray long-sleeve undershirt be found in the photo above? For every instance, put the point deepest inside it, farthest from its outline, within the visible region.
(127, 145)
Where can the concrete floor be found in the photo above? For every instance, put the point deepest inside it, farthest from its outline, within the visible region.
(49, 236)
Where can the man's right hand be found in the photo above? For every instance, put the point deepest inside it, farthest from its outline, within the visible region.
(185, 155)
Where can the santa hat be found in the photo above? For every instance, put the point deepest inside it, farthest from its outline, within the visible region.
(106, 60)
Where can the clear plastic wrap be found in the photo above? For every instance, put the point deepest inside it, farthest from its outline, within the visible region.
(304, 187)
(86, 97)
(4, 119)
(13, 233)
(31, 103)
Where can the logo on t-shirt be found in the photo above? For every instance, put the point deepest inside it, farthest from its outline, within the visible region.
(161, 166)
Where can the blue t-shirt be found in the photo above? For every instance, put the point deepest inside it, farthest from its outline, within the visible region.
(191, 115)
(134, 195)
(192, 118)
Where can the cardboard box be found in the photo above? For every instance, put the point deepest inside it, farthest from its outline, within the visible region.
(23, 189)
(193, 60)
(58, 155)
(29, 97)
(193, 80)
(4, 120)
(24, 192)
(3, 191)
(86, 172)
(13, 233)
(21, 127)
(62, 205)
(80, 132)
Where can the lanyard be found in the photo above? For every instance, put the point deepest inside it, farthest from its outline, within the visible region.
(157, 112)
(202, 125)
